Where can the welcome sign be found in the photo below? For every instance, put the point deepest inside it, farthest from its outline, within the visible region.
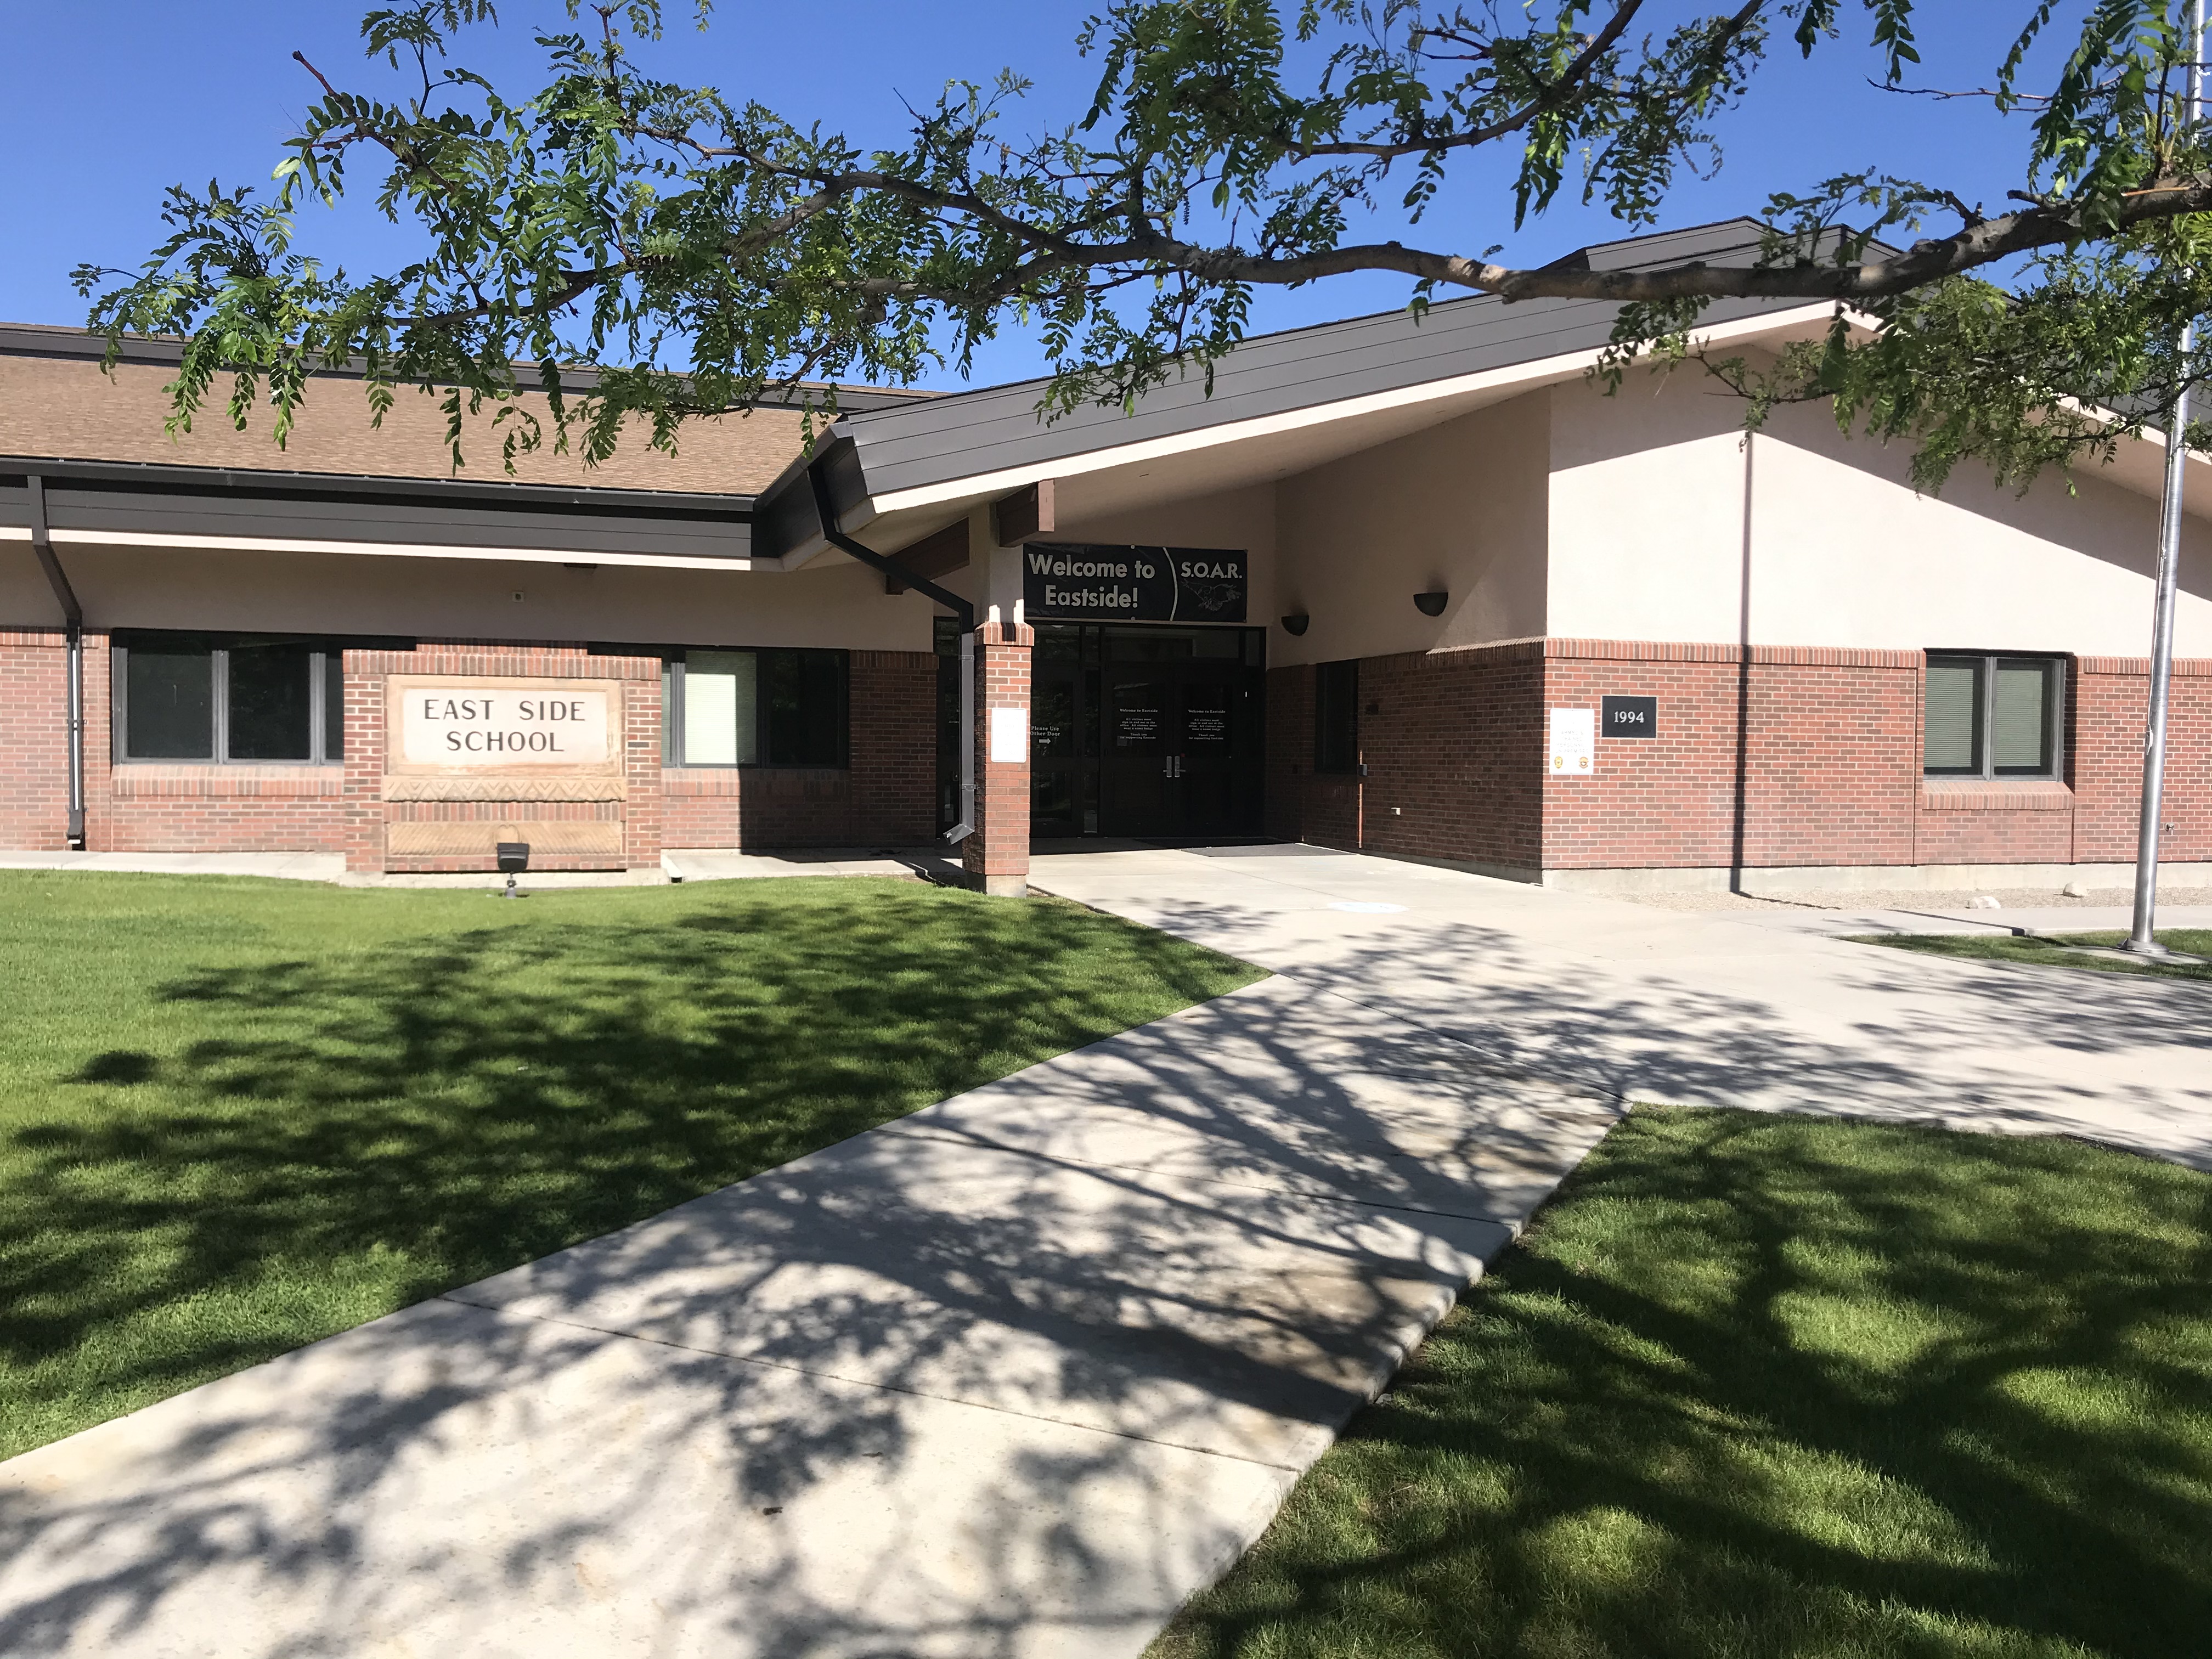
(480, 724)
(1096, 581)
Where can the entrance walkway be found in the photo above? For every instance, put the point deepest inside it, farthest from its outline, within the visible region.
(1010, 1378)
(1718, 1007)
(1013, 1376)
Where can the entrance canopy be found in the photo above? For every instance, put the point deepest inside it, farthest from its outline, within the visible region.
(1280, 405)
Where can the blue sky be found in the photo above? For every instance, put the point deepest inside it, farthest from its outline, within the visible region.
(111, 100)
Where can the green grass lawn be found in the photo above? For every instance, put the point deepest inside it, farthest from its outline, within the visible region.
(238, 1116)
(2049, 952)
(1756, 1386)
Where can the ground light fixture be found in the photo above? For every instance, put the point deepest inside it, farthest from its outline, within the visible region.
(1296, 623)
(1432, 605)
(513, 858)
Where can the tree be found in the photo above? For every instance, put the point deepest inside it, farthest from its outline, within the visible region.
(700, 254)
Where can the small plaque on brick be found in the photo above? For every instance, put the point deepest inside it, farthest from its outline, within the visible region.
(1628, 717)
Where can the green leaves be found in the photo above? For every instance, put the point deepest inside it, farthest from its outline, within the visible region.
(697, 255)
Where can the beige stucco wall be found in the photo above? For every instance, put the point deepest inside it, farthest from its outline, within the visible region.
(1461, 507)
(833, 604)
(1653, 519)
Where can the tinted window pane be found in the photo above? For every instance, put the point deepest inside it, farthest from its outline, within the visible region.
(169, 704)
(2020, 722)
(803, 693)
(1052, 723)
(271, 711)
(721, 708)
(1336, 716)
(1141, 717)
(1954, 715)
(333, 705)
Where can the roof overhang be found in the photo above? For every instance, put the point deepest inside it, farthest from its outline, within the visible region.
(1110, 476)
(138, 505)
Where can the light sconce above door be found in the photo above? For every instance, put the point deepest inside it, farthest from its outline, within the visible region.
(1432, 605)
(1296, 623)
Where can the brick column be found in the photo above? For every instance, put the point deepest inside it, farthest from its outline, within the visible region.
(364, 762)
(997, 855)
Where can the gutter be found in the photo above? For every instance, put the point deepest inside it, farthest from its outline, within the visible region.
(42, 543)
(961, 609)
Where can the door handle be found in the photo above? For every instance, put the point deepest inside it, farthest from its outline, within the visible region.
(1171, 767)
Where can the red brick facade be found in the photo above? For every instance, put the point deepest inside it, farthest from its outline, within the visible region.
(884, 797)
(1799, 757)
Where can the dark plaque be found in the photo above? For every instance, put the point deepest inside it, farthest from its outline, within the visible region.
(1088, 582)
(1628, 717)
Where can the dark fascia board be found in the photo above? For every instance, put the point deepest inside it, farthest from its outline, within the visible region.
(54, 340)
(154, 477)
(1000, 427)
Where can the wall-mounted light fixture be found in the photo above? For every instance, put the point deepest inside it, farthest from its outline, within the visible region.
(1296, 623)
(1432, 605)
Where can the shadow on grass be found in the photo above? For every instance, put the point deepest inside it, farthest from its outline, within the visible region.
(325, 1137)
(1757, 1385)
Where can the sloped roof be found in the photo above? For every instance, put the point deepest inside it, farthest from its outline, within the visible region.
(882, 456)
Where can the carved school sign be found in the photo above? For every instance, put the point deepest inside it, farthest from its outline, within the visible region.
(477, 724)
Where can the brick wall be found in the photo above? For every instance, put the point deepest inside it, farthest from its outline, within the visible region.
(1825, 769)
(34, 757)
(2111, 695)
(1800, 756)
(1453, 746)
(369, 817)
(1300, 805)
(1453, 742)
(885, 799)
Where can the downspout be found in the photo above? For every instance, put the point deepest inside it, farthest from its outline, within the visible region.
(962, 612)
(42, 543)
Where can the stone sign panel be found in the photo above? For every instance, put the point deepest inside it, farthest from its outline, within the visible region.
(503, 727)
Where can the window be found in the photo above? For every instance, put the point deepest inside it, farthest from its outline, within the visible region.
(754, 708)
(1336, 717)
(228, 698)
(1993, 717)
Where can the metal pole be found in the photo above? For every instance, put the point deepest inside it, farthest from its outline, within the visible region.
(2142, 938)
(42, 543)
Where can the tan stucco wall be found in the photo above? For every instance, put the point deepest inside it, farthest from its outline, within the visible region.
(1651, 525)
(1460, 507)
(834, 605)
(66, 408)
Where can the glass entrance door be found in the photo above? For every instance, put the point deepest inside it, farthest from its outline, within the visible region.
(1149, 732)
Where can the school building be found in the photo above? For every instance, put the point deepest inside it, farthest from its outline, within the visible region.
(1417, 587)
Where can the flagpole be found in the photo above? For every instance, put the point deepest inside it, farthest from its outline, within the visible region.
(2142, 938)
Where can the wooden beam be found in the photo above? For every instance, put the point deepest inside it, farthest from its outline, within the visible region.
(932, 555)
(1024, 513)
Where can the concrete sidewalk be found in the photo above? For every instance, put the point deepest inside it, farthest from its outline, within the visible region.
(1010, 1378)
(1716, 1007)
(292, 866)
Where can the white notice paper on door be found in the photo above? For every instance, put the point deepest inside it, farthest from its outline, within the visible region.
(1009, 736)
(1574, 742)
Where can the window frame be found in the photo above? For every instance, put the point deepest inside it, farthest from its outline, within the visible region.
(321, 653)
(671, 709)
(1348, 669)
(1984, 770)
